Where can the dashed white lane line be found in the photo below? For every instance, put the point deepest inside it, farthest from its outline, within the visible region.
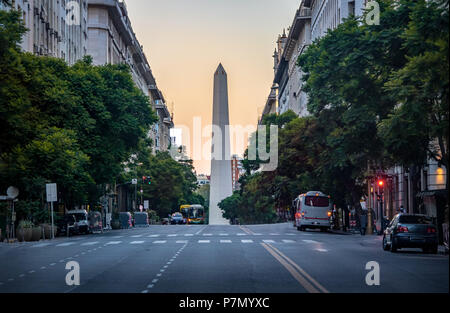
(153, 236)
(247, 241)
(89, 243)
(117, 237)
(188, 235)
(136, 236)
(66, 244)
(223, 234)
(172, 235)
(257, 234)
(207, 234)
(290, 234)
(274, 234)
(159, 241)
(40, 245)
(137, 242)
(155, 280)
(288, 241)
(322, 250)
(43, 267)
(22, 275)
(181, 241)
(204, 241)
(113, 243)
(225, 241)
(268, 241)
(52, 264)
(241, 234)
(31, 272)
(144, 291)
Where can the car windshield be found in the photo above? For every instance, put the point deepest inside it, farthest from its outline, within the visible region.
(317, 201)
(414, 219)
(195, 213)
(80, 216)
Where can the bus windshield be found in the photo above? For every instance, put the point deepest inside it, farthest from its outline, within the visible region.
(317, 201)
(195, 212)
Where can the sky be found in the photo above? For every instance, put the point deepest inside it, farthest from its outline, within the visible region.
(185, 40)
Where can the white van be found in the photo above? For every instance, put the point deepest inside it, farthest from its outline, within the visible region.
(82, 220)
(313, 210)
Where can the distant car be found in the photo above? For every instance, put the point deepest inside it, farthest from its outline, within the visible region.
(177, 218)
(411, 231)
(165, 221)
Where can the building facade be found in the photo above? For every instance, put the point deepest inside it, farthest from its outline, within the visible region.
(56, 28)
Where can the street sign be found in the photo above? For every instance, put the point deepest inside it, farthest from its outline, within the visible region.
(134, 181)
(12, 192)
(146, 204)
(52, 195)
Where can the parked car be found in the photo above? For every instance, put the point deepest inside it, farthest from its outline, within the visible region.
(411, 231)
(67, 224)
(82, 220)
(177, 218)
(165, 221)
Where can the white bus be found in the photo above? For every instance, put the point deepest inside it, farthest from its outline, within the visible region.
(313, 210)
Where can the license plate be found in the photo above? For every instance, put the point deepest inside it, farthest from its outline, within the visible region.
(417, 239)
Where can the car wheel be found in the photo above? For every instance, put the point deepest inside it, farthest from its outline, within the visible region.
(393, 246)
(385, 245)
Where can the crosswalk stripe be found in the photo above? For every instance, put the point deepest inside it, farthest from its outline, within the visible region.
(113, 242)
(89, 243)
(225, 241)
(159, 241)
(40, 245)
(66, 244)
(136, 242)
(247, 241)
(204, 241)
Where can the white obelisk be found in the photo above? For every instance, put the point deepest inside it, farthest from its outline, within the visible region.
(221, 185)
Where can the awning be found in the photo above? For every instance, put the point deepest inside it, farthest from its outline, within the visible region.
(431, 193)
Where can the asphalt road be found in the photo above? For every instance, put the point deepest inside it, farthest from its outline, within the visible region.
(218, 259)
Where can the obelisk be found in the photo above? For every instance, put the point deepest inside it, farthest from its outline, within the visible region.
(221, 185)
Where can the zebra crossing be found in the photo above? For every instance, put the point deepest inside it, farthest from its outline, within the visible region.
(168, 241)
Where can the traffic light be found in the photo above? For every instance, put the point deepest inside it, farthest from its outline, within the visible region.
(380, 183)
(146, 180)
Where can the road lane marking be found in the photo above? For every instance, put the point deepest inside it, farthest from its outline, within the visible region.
(153, 236)
(52, 264)
(223, 234)
(241, 234)
(268, 241)
(321, 250)
(200, 230)
(89, 243)
(136, 236)
(113, 243)
(247, 241)
(66, 244)
(22, 275)
(137, 242)
(302, 271)
(188, 235)
(297, 276)
(159, 241)
(274, 234)
(204, 241)
(155, 280)
(288, 241)
(172, 235)
(117, 237)
(30, 272)
(181, 241)
(225, 241)
(207, 234)
(144, 291)
(150, 286)
(310, 241)
(40, 245)
(257, 234)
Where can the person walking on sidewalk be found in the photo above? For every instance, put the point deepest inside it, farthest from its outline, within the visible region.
(363, 223)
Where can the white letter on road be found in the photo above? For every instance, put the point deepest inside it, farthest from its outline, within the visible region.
(73, 277)
(373, 277)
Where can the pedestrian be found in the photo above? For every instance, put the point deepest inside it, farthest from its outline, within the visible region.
(363, 223)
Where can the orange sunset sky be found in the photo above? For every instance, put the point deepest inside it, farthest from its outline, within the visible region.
(185, 40)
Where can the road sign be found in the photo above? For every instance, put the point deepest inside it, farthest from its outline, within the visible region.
(12, 192)
(52, 195)
(134, 181)
(146, 204)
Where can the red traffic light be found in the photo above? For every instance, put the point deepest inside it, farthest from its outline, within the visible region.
(380, 183)
(144, 178)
